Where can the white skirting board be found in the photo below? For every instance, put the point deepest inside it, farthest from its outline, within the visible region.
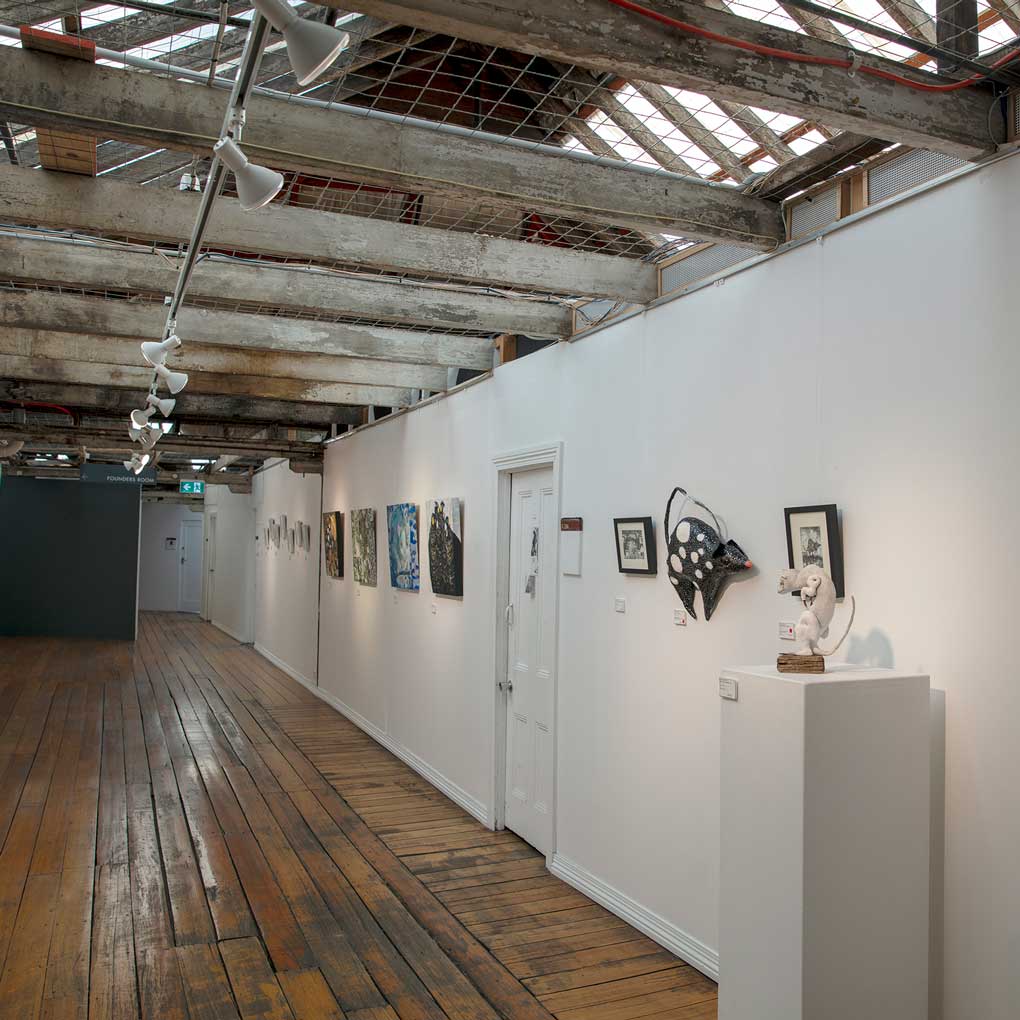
(289, 670)
(230, 632)
(668, 935)
(470, 804)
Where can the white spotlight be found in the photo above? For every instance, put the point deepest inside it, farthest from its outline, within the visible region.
(256, 185)
(137, 463)
(187, 182)
(155, 353)
(175, 381)
(165, 407)
(311, 45)
(140, 419)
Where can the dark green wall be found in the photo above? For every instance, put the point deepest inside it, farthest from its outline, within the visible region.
(68, 558)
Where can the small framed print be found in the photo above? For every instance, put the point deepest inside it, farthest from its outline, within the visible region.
(635, 545)
(813, 539)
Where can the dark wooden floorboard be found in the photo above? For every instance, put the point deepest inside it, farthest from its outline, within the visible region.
(186, 833)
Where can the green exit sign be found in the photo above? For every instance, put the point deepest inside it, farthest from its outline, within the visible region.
(193, 488)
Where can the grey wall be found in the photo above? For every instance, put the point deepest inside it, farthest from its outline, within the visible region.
(69, 555)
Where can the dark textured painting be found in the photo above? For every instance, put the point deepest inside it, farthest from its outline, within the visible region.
(363, 546)
(333, 538)
(446, 551)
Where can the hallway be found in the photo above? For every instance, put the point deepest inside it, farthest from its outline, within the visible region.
(188, 832)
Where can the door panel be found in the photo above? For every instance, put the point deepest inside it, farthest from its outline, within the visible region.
(531, 655)
(189, 592)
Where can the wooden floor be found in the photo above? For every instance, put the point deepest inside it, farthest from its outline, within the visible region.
(187, 832)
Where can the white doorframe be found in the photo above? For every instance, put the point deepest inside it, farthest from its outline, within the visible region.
(208, 565)
(505, 464)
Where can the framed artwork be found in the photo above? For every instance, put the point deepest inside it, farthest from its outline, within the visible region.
(635, 545)
(308, 535)
(290, 540)
(446, 550)
(813, 538)
(402, 527)
(363, 546)
(333, 541)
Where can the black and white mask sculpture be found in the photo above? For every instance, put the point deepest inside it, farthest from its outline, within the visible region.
(698, 559)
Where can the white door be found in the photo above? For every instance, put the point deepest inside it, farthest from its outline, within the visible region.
(189, 587)
(531, 657)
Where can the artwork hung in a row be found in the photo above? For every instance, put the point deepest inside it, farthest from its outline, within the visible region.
(635, 545)
(402, 527)
(698, 559)
(333, 539)
(446, 551)
(363, 529)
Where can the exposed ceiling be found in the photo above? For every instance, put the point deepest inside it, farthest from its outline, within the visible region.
(464, 171)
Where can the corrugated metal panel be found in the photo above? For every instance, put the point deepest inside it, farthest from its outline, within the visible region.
(808, 216)
(907, 171)
(701, 264)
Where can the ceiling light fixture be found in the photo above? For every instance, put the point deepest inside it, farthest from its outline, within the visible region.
(164, 406)
(175, 381)
(311, 45)
(140, 419)
(256, 185)
(155, 352)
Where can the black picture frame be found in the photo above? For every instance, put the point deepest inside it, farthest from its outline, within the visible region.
(826, 518)
(650, 569)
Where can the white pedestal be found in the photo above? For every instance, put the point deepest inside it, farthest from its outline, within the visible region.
(824, 825)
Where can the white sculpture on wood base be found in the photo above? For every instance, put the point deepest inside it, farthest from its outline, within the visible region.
(818, 597)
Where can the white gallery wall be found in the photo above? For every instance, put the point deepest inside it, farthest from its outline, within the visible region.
(158, 563)
(287, 583)
(229, 590)
(876, 370)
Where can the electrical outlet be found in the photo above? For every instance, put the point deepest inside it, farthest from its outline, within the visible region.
(786, 632)
(680, 617)
(395, 598)
(435, 609)
(357, 591)
(621, 605)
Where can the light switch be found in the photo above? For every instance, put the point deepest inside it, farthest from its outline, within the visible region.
(621, 605)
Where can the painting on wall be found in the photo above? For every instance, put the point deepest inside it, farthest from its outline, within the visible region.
(635, 545)
(333, 539)
(446, 552)
(290, 540)
(402, 526)
(363, 545)
(813, 540)
(308, 536)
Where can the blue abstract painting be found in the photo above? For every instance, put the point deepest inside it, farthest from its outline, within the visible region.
(402, 524)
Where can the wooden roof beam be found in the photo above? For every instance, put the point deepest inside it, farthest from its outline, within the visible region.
(111, 208)
(125, 104)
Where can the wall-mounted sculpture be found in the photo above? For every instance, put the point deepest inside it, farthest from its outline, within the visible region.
(698, 559)
(818, 597)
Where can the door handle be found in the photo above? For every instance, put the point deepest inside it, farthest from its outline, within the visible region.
(510, 615)
(506, 686)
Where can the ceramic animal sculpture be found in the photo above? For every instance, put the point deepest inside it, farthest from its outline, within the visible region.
(818, 597)
(699, 560)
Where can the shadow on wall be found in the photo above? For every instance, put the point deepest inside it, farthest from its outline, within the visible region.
(875, 650)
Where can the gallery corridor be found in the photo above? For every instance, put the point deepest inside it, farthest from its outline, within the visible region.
(187, 832)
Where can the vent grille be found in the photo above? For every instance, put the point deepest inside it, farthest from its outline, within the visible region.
(808, 216)
(701, 264)
(1014, 119)
(907, 171)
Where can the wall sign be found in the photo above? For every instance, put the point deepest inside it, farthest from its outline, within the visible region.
(117, 474)
(192, 488)
(571, 529)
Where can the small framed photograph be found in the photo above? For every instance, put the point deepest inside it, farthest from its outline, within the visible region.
(635, 545)
(813, 538)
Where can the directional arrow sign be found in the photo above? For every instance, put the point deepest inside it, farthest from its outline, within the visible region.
(192, 488)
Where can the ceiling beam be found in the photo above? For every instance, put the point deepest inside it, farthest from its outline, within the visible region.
(196, 446)
(598, 35)
(46, 90)
(422, 352)
(362, 374)
(116, 209)
(100, 267)
(39, 369)
(104, 399)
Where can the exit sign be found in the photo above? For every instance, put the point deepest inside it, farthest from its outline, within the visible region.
(192, 488)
